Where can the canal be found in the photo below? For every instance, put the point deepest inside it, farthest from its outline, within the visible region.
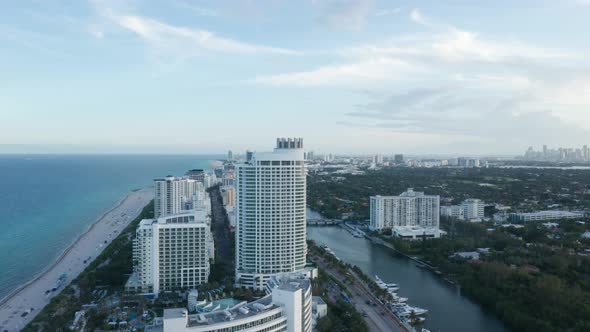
(448, 310)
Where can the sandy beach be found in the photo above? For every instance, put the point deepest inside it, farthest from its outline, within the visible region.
(72, 262)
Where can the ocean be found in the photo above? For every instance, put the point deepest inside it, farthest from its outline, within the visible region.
(47, 201)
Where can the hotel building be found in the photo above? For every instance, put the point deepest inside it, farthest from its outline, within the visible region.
(171, 253)
(287, 307)
(270, 214)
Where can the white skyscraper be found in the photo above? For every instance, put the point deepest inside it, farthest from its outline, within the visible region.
(173, 194)
(411, 208)
(172, 252)
(270, 214)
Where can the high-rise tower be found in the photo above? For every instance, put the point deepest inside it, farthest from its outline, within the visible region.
(172, 194)
(270, 214)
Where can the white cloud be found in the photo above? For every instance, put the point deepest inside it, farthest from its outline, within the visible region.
(454, 111)
(177, 42)
(494, 87)
(454, 54)
(187, 40)
(380, 69)
(460, 45)
(417, 17)
(443, 52)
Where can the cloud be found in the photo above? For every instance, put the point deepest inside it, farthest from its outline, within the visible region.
(175, 42)
(453, 55)
(188, 40)
(443, 52)
(344, 14)
(417, 17)
(379, 69)
(457, 111)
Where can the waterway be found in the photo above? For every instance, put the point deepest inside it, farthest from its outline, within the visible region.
(449, 311)
(574, 168)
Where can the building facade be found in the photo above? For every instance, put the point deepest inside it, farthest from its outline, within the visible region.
(473, 209)
(271, 214)
(173, 194)
(469, 209)
(543, 216)
(172, 252)
(196, 174)
(293, 293)
(287, 307)
(411, 208)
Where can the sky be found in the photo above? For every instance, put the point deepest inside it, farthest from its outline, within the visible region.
(349, 76)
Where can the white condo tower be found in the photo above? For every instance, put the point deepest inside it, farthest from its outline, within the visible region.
(270, 214)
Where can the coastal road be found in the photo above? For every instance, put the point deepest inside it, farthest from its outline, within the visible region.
(378, 317)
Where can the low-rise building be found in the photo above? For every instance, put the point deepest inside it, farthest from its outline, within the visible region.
(474, 255)
(319, 309)
(416, 232)
(544, 216)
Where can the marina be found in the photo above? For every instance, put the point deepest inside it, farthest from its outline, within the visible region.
(406, 313)
(447, 309)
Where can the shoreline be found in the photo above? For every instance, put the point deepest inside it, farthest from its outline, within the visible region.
(117, 217)
(63, 253)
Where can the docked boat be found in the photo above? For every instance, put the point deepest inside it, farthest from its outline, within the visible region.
(380, 283)
(392, 289)
(405, 310)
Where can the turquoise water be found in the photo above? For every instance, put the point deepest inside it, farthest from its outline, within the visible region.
(46, 201)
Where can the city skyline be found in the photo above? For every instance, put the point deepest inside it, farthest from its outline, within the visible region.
(361, 76)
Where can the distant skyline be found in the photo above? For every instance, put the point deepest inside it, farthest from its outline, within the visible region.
(349, 76)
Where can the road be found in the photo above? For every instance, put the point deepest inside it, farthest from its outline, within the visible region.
(221, 233)
(378, 317)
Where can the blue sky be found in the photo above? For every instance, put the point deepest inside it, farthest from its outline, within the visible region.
(457, 76)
